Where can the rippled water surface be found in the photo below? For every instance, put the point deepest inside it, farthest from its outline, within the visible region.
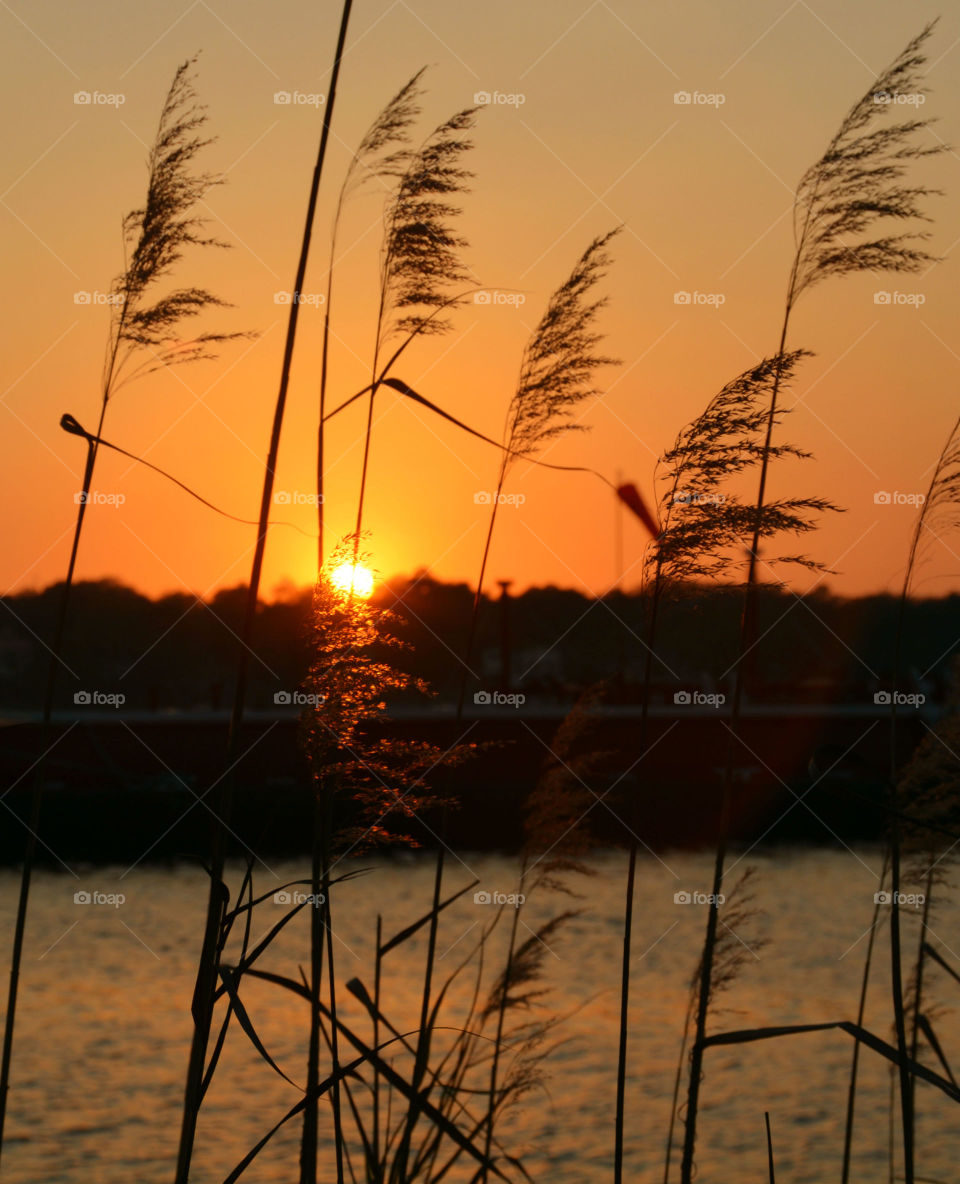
(104, 1026)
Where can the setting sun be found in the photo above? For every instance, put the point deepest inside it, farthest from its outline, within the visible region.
(350, 578)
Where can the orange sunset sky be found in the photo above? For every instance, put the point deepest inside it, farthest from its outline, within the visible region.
(594, 139)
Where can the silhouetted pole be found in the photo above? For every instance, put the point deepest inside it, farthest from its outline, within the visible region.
(617, 536)
(506, 676)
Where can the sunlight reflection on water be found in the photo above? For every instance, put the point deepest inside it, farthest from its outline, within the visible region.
(103, 1029)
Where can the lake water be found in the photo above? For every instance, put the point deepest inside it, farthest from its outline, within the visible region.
(104, 1023)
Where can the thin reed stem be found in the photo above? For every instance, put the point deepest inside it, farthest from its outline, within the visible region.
(838, 200)
(503, 1002)
(207, 974)
(36, 797)
(308, 1142)
(861, 1012)
(630, 893)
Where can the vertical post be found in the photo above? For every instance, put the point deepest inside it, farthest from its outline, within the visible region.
(506, 673)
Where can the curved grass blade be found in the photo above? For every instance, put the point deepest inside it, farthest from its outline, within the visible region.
(398, 1082)
(749, 1035)
(932, 953)
(927, 1029)
(410, 930)
(243, 1019)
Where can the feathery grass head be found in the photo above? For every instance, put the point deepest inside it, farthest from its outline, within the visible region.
(421, 251)
(858, 182)
(941, 506)
(349, 680)
(383, 151)
(556, 825)
(704, 525)
(518, 985)
(559, 362)
(929, 791)
(732, 951)
(156, 237)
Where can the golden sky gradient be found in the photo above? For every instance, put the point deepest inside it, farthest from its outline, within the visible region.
(595, 139)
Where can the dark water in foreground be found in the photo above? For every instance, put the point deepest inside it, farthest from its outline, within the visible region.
(104, 1025)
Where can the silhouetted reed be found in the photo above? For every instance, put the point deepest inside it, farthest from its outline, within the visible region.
(557, 375)
(704, 528)
(382, 157)
(146, 334)
(421, 274)
(208, 964)
(856, 184)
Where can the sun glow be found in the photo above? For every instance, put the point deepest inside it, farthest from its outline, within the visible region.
(349, 578)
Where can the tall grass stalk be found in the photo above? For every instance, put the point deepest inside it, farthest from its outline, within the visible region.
(420, 266)
(348, 682)
(857, 183)
(208, 968)
(556, 838)
(942, 499)
(922, 791)
(144, 337)
(702, 524)
(861, 1013)
(381, 157)
(557, 374)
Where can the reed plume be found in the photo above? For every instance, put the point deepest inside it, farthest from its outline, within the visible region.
(704, 528)
(350, 681)
(155, 236)
(557, 375)
(144, 336)
(421, 273)
(842, 204)
(704, 523)
(556, 838)
(731, 954)
(938, 512)
(927, 788)
(208, 970)
(381, 157)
